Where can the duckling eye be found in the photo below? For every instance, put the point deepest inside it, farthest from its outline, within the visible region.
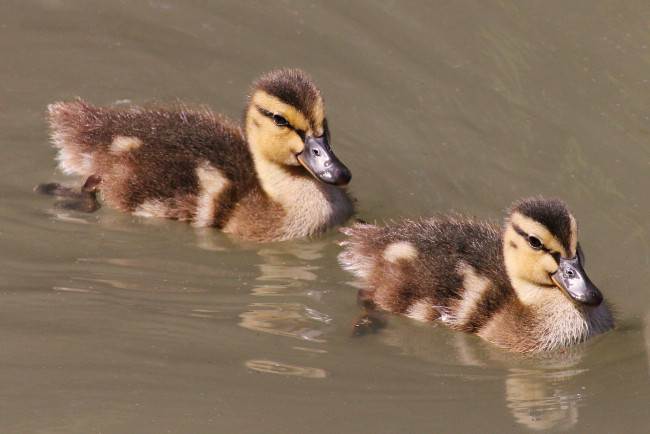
(534, 242)
(280, 121)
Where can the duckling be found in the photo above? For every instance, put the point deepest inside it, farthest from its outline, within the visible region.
(523, 288)
(276, 180)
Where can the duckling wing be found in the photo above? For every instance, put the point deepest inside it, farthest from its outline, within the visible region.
(437, 268)
(179, 163)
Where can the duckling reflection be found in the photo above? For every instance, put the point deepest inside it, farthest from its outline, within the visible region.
(130, 274)
(284, 268)
(646, 332)
(279, 272)
(541, 391)
(273, 367)
(293, 320)
(542, 400)
(283, 271)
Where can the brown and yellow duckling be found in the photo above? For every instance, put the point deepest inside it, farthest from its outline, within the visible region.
(523, 288)
(276, 180)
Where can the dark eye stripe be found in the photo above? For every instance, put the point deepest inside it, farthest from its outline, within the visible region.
(273, 116)
(266, 113)
(557, 257)
(526, 236)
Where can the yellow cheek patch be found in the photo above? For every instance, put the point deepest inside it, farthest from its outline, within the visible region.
(548, 264)
(522, 262)
(273, 143)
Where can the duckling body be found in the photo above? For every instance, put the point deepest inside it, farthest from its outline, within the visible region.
(522, 288)
(275, 180)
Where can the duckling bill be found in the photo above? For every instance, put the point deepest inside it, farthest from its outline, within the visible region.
(274, 179)
(523, 288)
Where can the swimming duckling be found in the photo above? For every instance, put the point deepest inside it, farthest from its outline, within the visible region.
(277, 180)
(523, 289)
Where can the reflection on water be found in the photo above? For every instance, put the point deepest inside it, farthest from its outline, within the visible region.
(271, 367)
(207, 240)
(284, 270)
(69, 217)
(70, 289)
(125, 273)
(541, 392)
(646, 333)
(543, 400)
(281, 275)
(281, 278)
(293, 320)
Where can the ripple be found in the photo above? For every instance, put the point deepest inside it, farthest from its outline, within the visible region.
(286, 319)
(543, 400)
(272, 367)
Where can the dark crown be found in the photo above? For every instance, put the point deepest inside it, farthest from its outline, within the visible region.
(293, 87)
(554, 215)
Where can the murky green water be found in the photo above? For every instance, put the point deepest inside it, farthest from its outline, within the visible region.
(113, 323)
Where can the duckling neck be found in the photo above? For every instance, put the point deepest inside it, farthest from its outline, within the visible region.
(530, 294)
(563, 323)
(310, 205)
(278, 180)
(548, 320)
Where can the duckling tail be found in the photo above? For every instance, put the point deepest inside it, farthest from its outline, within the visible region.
(357, 256)
(75, 130)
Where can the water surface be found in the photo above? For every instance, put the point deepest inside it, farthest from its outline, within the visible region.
(114, 323)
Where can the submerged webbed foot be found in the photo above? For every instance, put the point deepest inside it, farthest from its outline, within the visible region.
(368, 323)
(84, 200)
(371, 319)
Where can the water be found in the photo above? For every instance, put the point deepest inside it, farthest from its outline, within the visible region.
(114, 323)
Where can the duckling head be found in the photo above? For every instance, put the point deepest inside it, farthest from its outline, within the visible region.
(542, 253)
(286, 127)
